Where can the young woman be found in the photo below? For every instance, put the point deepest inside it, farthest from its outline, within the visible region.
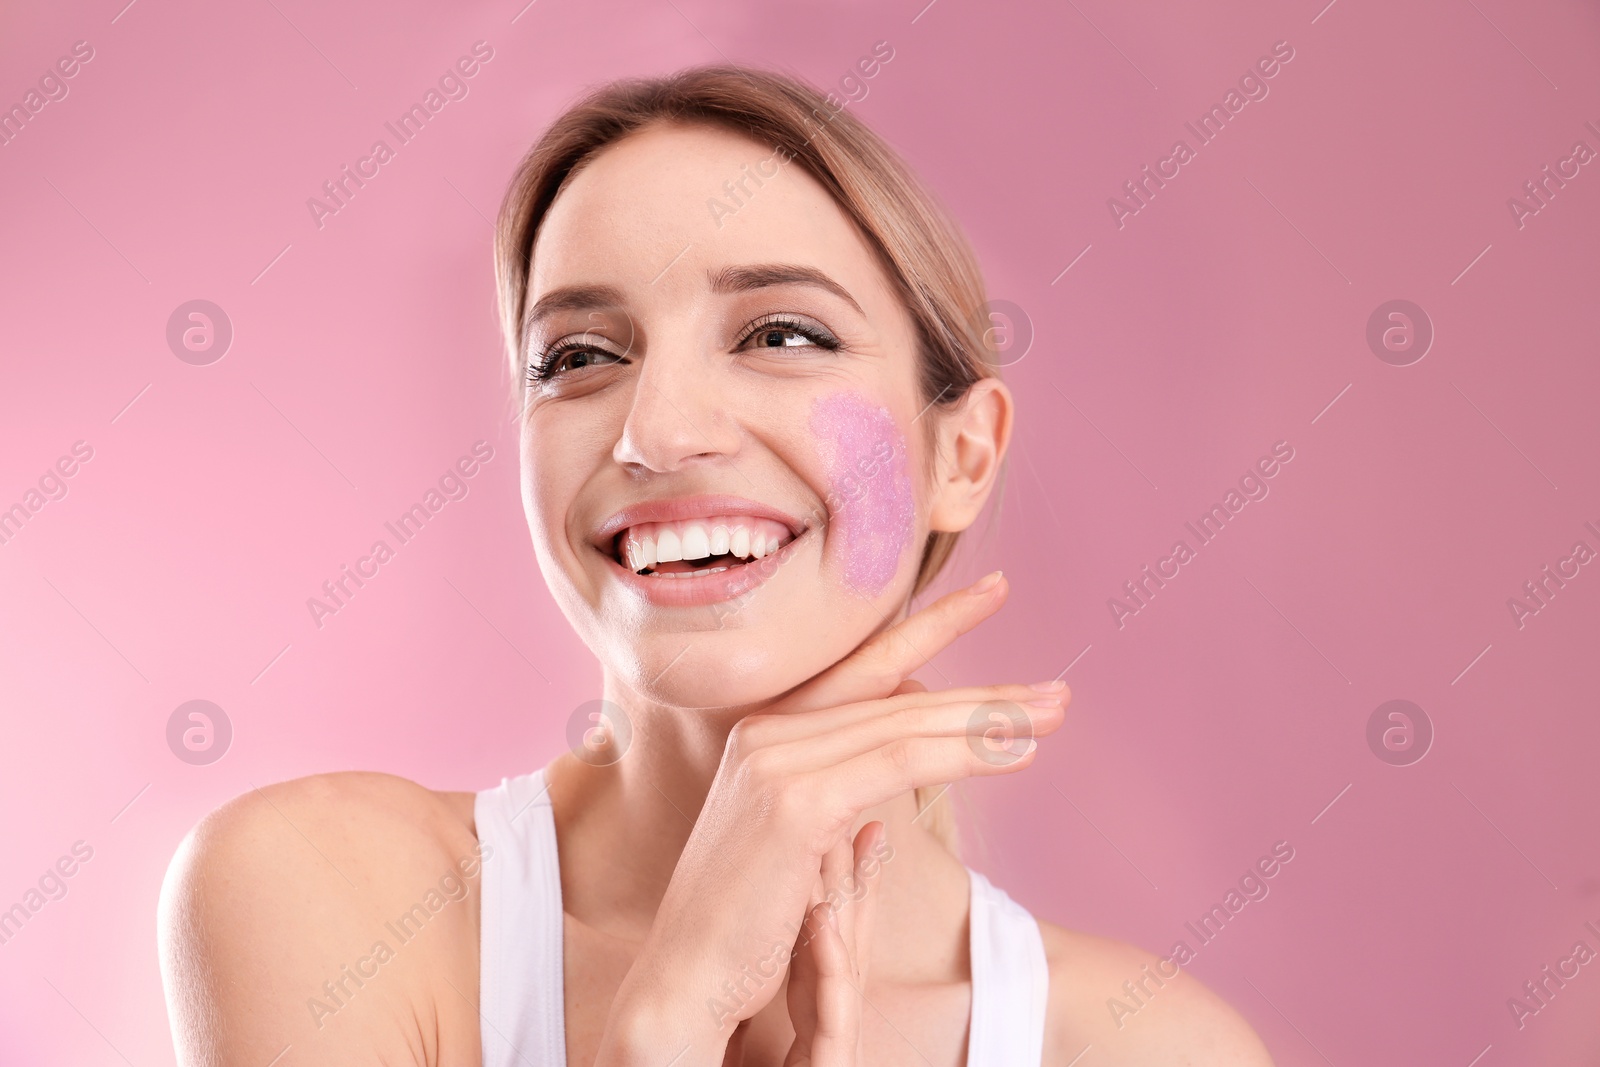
(755, 414)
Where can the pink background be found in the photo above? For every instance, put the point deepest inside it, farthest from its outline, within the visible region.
(1223, 317)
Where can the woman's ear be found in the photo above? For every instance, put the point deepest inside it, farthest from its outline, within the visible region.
(971, 439)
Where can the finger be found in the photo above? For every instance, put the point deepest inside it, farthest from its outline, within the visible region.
(910, 685)
(998, 726)
(802, 992)
(822, 1008)
(883, 774)
(801, 997)
(836, 868)
(824, 1003)
(819, 888)
(884, 660)
(868, 869)
(767, 730)
(831, 863)
(851, 885)
(848, 885)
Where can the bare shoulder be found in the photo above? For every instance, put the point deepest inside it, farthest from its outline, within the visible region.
(326, 913)
(1135, 1009)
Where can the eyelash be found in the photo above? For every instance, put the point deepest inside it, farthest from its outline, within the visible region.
(543, 366)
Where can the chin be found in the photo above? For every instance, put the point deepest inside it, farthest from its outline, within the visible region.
(719, 669)
(739, 652)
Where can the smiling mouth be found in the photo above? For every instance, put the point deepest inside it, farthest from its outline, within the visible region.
(698, 547)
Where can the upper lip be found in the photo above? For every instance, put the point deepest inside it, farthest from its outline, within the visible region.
(673, 509)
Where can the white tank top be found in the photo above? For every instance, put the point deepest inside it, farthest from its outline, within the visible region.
(520, 976)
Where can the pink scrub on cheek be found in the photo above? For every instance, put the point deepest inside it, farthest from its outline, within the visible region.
(871, 513)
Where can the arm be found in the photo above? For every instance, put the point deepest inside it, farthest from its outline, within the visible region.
(1175, 1020)
(289, 919)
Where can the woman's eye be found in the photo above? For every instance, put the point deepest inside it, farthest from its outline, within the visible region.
(568, 357)
(786, 334)
(780, 339)
(563, 359)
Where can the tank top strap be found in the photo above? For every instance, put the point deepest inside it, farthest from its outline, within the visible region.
(1010, 981)
(520, 970)
(520, 980)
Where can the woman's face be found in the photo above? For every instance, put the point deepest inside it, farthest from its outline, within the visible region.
(721, 371)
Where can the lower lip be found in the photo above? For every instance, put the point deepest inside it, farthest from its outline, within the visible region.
(701, 589)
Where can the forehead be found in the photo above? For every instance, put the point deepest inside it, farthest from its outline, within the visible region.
(658, 211)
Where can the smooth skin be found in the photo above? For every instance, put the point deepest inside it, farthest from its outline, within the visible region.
(775, 748)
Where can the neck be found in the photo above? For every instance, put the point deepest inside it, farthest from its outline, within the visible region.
(644, 806)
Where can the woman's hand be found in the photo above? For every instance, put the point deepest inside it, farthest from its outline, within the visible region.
(828, 976)
(793, 781)
(828, 968)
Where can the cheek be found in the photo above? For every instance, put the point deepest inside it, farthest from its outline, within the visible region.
(546, 494)
(871, 510)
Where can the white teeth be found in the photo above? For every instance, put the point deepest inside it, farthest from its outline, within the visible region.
(668, 547)
(744, 538)
(640, 551)
(696, 542)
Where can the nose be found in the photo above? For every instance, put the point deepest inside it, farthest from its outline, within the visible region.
(676, 418)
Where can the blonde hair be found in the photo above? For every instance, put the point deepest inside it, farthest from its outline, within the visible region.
(921, 249)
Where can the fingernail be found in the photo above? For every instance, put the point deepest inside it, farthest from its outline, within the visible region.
(1055, 686)
(986, 583)
(1045, 702)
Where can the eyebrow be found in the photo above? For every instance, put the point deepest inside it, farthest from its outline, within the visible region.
(741, 279)
(571, 298)
(762, 275)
